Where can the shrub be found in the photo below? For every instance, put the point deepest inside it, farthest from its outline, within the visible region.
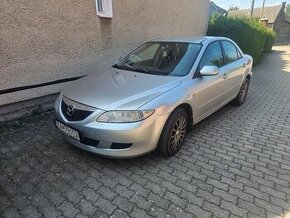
(269, 41)
(250, 34)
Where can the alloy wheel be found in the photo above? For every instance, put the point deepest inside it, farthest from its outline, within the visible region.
(178, 133)
(244, 92)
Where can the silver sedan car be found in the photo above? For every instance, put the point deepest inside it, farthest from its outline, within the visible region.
(150, 98)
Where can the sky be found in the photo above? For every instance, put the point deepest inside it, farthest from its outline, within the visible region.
(247, 3)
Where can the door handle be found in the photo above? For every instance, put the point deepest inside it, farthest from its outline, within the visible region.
(225, 76)
(244, 65)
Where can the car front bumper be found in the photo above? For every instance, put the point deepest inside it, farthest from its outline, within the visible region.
(119, 140)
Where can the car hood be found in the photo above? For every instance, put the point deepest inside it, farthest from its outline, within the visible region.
(119, 89)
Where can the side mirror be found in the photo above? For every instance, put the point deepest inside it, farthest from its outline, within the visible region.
(209, 71)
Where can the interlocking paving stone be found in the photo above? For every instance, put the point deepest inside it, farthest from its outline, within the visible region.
(235, 163)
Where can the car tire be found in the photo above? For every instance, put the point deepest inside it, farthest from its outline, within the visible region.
(173, 134)
(241, 97)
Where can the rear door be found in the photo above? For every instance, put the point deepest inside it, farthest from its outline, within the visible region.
(233, 69)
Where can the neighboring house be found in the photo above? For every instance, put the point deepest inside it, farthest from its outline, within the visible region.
(214, 9)
(275, 18)
(44, 44)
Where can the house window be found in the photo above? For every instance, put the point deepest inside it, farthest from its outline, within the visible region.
(104, 8)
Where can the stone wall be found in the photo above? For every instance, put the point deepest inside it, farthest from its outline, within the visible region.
(282, 29)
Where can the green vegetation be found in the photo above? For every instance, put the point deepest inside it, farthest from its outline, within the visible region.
(250, 34)
(269, 40)
(287, 10)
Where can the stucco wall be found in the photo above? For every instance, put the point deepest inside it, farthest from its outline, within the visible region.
(47, 40)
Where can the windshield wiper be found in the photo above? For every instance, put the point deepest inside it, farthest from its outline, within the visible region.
(123, 67)
(161, 73)
(152, 72)
(117, 66)
(139, 70)
(142, 70)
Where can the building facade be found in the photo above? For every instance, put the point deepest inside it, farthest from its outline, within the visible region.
(281, 26)
(45, 44)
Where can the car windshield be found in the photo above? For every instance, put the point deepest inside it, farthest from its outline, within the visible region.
(161, 58)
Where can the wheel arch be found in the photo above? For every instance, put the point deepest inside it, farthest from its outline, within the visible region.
(188, 109)
(162, 145)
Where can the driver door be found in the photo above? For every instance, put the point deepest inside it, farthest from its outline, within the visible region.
(210, 90)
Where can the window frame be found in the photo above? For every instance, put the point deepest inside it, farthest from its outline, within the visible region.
(197, 73)
(239, 54)
(107, 7)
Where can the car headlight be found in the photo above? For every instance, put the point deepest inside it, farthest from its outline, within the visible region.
(124, 116)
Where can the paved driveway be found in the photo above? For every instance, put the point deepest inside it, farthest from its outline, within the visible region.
(235, 163)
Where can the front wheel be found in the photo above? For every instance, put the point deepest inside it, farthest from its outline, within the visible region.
(241, 98)
(173, 133)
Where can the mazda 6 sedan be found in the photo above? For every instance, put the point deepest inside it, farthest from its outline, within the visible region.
(151, 97)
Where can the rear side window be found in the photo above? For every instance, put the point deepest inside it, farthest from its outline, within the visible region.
(231, 52)
(213, 56)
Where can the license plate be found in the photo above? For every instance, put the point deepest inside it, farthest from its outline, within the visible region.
(68, 130)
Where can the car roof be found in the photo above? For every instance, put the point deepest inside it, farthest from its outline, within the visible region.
(194, 39)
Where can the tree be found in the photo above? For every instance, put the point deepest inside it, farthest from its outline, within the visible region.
(233, 8)
(287, 10)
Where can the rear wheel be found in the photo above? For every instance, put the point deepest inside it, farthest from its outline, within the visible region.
(173, 133)
(241, 98)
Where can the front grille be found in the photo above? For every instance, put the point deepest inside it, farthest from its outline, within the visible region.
(77, 115)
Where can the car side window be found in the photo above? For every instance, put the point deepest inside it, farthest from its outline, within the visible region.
(231, 52)
(213, 56)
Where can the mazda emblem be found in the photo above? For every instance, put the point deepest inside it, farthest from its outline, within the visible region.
(70, 110)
